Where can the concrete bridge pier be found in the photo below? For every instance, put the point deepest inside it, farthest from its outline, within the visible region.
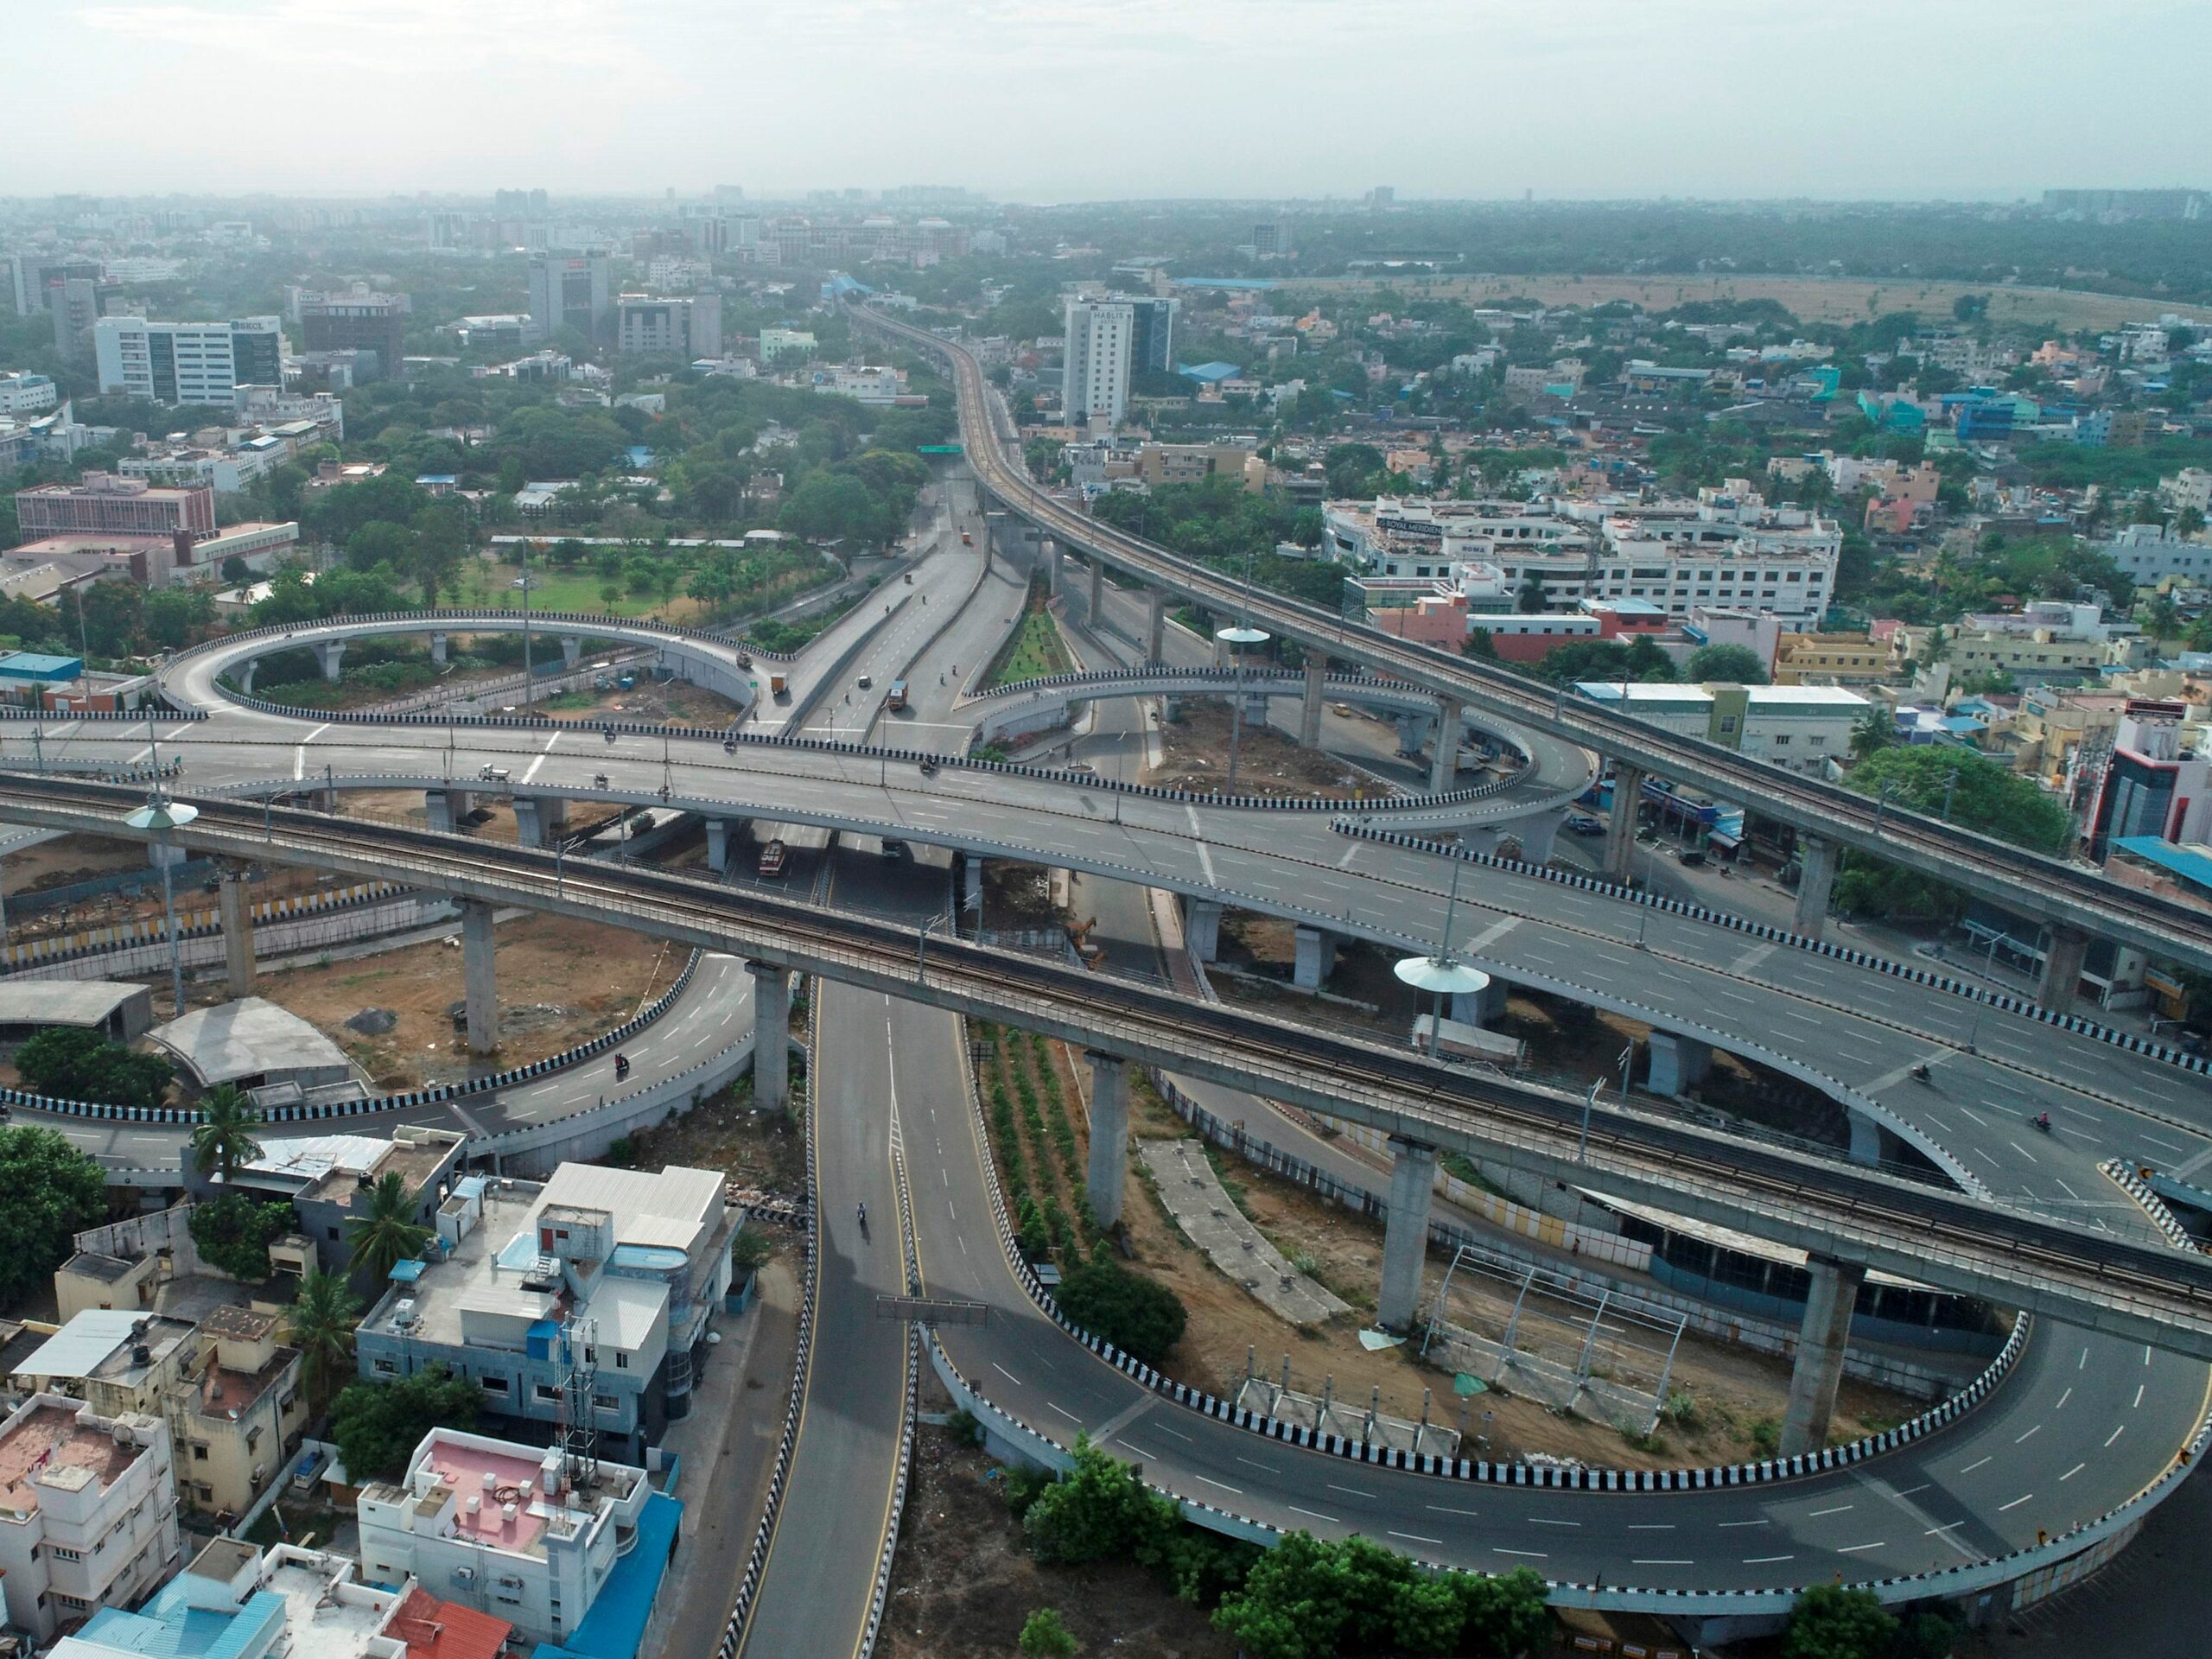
(971, 883)
(237, 910)
(1317, 957)
(438, 649)
(444, 809)
(1156, 624)
(1052, 572)
(1479, 1008)
(331, 653)
(1444, 769)
(1822, 1339)
(572, 649)
(2064, 957)
(1110, 1135)
(246, 676)
(1309, 711)
(539, 818)
(1405, 1233)
(1816, 862)
(1097, 591)
(1677, 1063)
(1620, 828)
(480, 976)
(772, 1035)
(718, 844)
(1202, 927)
(1537, 837)
(1865, 1140)
(1413, 732)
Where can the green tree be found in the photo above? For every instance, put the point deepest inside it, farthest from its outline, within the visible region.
(389, 1233)
(1830, 1621)
(222, 1142)
(1136, 1314)
(232, 1234)
(1503, 1616)
(378, 1425)
(175, 617)
(50, 1192)
(1099, 1509)
(1961, 787)
(325, 1312)
(378, 541)
(1873, 732)
(72, 1063)
(1728, 664)
(1045, 1634)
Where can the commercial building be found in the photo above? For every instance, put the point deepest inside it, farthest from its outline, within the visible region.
(1095, 367)
(777, 343)
(878, 387)
(1832, 660)
(1159, 464)
(187, 362)
(604, 1272)
(572, 291)
(357, 322)
(533, 1536)
(22, 392)
(2152, 786)
(105, 504)
(687, 327)
(1799, 728)
(87, 1512)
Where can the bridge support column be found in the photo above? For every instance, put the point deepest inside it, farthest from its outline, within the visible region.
(1052, 572)
(1405, 1232)
(1620, 828)
(1821, 1341)
(438, 649)
(1816, 862)
(1677, 1063)
(444, 809)
(1479, 1008)
(1202, 927)
(480, 976)
(1317, 956)
(971, 884)
(1110, 1135)
(572, 649)
(1537, 837)
(1865, 1140)
(162, 852)
(2063, 959)
(772, 1036)
(1309, 711)
(538, 818)
(331, 653)
(246, 676)
(1097, 591)
(1413, 732)
(238, 930)
(1444, 768)
(718, 844)
(1155, 625)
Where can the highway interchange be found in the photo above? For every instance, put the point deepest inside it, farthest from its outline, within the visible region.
(2083, 1423)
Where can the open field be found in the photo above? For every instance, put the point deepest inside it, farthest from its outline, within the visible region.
(1811, 299)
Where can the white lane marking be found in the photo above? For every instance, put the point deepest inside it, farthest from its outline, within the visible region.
(2139, 1387)
(2082, 1363)
(1971, 1467)
(1348, 1491)
(1651, 1526)
(1538, 1520)
(1726, 1525)
(1147, 1456)
(1838, 1509)
(2074, 1471)
(1316, 1515)
(1178, 1433)
(2015, 1503)
(2115, 1434)
(1199, 840)
(2062, 1399)
(1529, 1555)
(300, 755)
(1948, 1526)
(1655, 1561)
(1414, 1538)
(1265, 1470)
(2156, 1140)
(1854, 1549)
(1446, 1509)
(1762, 1560)
(2024, 1151)
(1224, 1485)
(2030, 1435)
(1065, 1413)
(1005, 1373)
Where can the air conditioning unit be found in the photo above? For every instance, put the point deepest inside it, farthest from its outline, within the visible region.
(464, 1575)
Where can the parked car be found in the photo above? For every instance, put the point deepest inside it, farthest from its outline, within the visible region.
(1691, 855)
(1581, 824)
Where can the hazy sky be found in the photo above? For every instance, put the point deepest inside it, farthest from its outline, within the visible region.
(1052, 100)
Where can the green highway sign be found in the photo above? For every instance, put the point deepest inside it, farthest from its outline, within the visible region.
(939, 450)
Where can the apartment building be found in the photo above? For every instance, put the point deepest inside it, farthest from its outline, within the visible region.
(572, 291)
(87, 1512)
(688, 327)
(22, 392)
(611, 1273)
(521, 1533)
(187, 362)
(1159, 464)
(1832, 660)
(782, 342)
(2149, 554)
(106, 504)
(1095, 361)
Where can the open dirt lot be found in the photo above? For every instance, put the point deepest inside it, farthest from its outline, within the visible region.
(963, 1580)
(1195, 756)
(1812, 298)
(560, 981)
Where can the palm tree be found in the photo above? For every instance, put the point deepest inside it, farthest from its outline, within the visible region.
(223, 1138)
(388, 1234)
(324, 1314)
(1873, 732)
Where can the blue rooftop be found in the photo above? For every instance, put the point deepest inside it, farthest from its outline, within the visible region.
(171, 1629)
(1255, 284)
(38, 665)
(615, 1626)
(1208, 373)
(2190, 861)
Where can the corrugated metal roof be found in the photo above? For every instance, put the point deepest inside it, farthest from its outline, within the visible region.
(81, 1344)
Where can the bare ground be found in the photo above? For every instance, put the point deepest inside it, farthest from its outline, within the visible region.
(1194, 755)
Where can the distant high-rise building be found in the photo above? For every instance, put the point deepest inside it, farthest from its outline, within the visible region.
(36, 279)
(188, 362)
(1152, 332)
(572, 292)
(1271, 238)
(519, 203)
(1095, 373)
(2128, 204)
(729, 193)
(1382, 196)
(76, 304)
(357, 322)
(651, 325)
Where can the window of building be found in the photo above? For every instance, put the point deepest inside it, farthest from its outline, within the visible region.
(386, 1368)
(494, 1384)
(61, 1555)
(200, 1454)
(621, 1362)
(547, 1394)
(606, 1402)
(1782, 740)
(1727, 725)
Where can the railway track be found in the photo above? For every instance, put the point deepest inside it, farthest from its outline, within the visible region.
(2142, 1290)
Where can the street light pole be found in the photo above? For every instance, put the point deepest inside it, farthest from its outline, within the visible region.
(1589, 1099)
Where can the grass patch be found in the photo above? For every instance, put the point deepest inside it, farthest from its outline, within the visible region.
(1035, 651)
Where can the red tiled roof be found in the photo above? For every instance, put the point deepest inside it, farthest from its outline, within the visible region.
(444, 1630)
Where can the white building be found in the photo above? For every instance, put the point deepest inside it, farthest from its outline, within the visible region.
(88, 1511)
(504, 1528)
(1798, 728)
(687, 327)
(781, 342)
(187, 362)
(22, 392)
(878, 387)
(2190, 488)
(1095, 371)
(2148, 554)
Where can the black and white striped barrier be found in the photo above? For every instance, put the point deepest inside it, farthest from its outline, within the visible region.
(2130, 1181)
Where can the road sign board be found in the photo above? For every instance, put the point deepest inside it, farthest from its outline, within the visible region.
(932, 1310)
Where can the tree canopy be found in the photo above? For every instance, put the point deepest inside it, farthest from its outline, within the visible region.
(50, 1192)
(378, 1425)
(1961, 787)
(73, 1063)
(1138, 1315)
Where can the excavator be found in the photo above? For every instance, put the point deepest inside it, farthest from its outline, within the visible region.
(1091, 956)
